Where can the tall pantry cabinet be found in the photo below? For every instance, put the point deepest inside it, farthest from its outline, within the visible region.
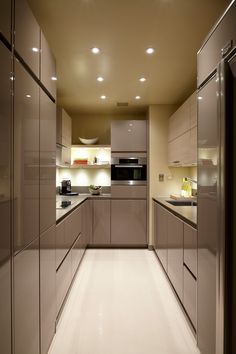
(27, 183)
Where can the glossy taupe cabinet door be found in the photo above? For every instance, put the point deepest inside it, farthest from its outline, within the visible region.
(27, 35)
(190, 248)
(190, 296)
(5, 200)
(47, 287)
(129, 222)
(26, 300)
(87, 225)
(101, 222)
(129, 135)
(207, 216)
(47, 162)
(76, 254)
(26, 158)
(5, 19)
(175, 253)
(63, 280)
(160, 233)
(48, 67)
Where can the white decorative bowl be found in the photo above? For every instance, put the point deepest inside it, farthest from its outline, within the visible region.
(88, 141)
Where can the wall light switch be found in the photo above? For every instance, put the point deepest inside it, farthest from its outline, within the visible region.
(169, 177)
(161, 177)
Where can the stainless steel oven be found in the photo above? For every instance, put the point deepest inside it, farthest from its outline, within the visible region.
(128, 170)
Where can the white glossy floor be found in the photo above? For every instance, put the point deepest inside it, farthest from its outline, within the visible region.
(121, 303)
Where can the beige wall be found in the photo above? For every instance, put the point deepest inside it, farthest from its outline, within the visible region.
(93, 125)
(158, 159)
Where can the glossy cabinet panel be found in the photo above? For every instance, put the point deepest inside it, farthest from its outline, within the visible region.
(175, 253)
(48, 67)
(129, 135)
(190, 248)
(207, 216)
(87, 224)
(5, 19)
(73, 226)
(62, 244)
(26, 158)
(64, 127)
(47, 162)
(211, 54)
(101, 222)
(27, 35)
(128, 222)
(26, 300)
(5, 200)
(76, 254)
(47, 287)
(160, 233)
(190, 296)
(63, 281)
(179, 122)
(131, 192)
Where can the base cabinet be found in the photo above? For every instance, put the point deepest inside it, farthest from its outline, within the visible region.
(101, 222)
(26, 300)
(160, 233)
(190, 296)
(63, 280)
(47, 287)
(175, 253)
(129, 222)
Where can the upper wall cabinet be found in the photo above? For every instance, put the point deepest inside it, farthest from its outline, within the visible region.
(64, 127)
(5, 19)
(129, 135)
(27, 36)
(48, 67)
(182, 146)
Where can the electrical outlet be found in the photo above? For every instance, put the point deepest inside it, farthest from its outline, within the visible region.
(161, 177)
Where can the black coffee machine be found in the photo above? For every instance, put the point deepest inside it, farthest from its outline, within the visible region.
(66, 188)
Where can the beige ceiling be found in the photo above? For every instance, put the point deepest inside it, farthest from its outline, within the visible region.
(123, 29)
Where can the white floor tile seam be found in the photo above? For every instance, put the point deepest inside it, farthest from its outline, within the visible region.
(121, 303)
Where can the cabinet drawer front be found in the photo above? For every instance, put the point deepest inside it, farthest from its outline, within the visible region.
(128, 222)
(190, 248)
(101, 222)
(61, 246)
(76, 254)
(175, 253)
(63, 280)
(190, 296)
(129, 192)
(161, 243)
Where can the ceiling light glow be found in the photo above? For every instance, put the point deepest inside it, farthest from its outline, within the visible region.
(35, 50)
(137, 97)
(142, 79)
(95, 50)
(103, 97)
(28, 96)
(150, 50)
(100, 78)
(54, 78)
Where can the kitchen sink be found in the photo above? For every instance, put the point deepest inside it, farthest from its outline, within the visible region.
(182, 202)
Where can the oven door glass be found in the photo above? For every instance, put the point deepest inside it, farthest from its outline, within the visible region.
(128, 173)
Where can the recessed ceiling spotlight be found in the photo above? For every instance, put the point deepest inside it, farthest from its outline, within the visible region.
(54, 78)
(103, 97)
(28, 96)
(100, 78)
(95, 50)
(200, 98)
(34, 49)
(142, 79)
(137, 97)
(150, 50)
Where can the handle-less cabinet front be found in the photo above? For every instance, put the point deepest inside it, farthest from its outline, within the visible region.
(129, 222)
(47, 288)
(27, 36)
(26, 300)
(48, 67)
(190, 296)
(63, 280)
(5, 19)
(175, 253)
(47, 162)
(129, 135)
(190, 248)
(160, 233)
(5, 202)
(26, 158)
(101, 222)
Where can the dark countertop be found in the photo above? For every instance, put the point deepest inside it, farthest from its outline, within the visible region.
(76, 200)
(186, 213)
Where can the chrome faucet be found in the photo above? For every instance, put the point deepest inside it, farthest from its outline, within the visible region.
(191, 180)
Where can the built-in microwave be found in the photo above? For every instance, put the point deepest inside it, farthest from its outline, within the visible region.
(128, 170)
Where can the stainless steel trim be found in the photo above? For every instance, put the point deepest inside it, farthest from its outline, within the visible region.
(128, 166)
(115, 160)
(129, 183)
